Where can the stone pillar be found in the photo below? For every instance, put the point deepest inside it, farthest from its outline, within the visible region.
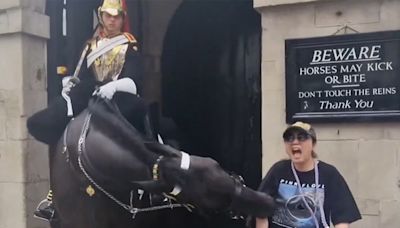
(24, 30)
(156, 16)
(366, 153)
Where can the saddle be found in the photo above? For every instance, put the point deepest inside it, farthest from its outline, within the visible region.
(134, 115)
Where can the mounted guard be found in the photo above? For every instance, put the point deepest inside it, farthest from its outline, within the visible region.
(108, 67)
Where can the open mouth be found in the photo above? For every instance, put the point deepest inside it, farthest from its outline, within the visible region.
(296, 151)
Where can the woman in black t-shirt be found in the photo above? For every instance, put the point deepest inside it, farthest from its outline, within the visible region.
(309, 193)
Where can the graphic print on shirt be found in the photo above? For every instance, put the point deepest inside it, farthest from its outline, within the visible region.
(292, 211)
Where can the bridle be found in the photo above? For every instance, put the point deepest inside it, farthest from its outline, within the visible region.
(185, 164)
(239, 184)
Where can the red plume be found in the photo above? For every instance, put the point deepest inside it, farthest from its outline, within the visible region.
(126, 27)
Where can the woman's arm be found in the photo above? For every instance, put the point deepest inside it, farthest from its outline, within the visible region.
(342, 225)
(262, 223)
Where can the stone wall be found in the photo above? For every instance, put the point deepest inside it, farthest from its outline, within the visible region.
(367, 154)
(24, 30)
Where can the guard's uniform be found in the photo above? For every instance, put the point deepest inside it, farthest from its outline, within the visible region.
(121, 61)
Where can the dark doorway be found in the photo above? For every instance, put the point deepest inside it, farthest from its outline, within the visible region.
(211, 86)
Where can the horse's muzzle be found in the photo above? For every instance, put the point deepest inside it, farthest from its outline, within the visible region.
(253, 203)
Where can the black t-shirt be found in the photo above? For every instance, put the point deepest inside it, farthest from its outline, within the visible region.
(337, 200)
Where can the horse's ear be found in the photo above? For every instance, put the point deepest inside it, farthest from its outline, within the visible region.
(162, 149)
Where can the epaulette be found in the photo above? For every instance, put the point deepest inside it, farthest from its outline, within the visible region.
(130, 37)
(132, 40)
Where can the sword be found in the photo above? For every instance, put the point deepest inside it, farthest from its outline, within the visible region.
(74, 80)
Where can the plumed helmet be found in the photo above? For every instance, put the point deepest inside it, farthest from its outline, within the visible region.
(112, 7)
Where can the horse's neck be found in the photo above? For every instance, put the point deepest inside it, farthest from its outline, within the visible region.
(110, 156)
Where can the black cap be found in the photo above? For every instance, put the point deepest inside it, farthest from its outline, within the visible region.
(301, 126)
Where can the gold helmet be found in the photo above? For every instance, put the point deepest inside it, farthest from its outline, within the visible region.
(112, 7)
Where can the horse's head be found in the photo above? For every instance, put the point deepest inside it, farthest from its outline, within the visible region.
(118, 153)
(202, 182)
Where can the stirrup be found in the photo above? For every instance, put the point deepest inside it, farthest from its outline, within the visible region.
(44, 211)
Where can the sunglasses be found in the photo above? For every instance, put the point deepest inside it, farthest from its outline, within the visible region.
(301, 137)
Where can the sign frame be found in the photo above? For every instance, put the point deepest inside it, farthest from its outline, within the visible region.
(305, 54)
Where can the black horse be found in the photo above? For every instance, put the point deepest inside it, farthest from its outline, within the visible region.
(101, 161)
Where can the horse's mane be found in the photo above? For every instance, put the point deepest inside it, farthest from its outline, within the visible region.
(107, 117)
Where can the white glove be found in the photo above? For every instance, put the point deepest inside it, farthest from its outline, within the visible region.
(67, 85)
(122, 85)
(65, 80)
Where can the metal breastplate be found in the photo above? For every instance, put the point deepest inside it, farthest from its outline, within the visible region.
(109, 65)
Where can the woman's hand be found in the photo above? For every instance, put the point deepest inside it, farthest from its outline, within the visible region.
(262, 223)
(342, 225)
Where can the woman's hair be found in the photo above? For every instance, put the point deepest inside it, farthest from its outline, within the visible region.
(314, 154)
